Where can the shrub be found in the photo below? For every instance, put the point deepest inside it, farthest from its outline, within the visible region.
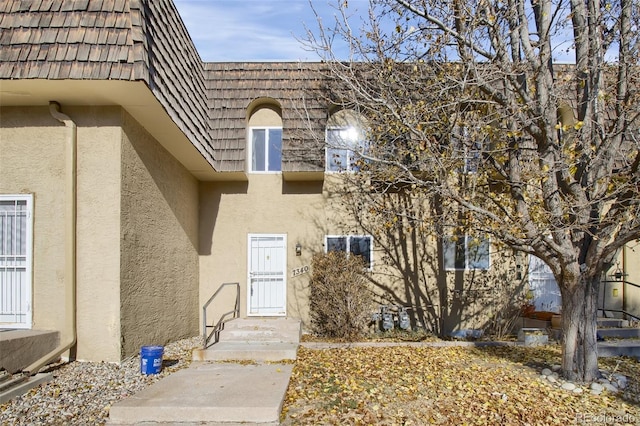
(340, 300)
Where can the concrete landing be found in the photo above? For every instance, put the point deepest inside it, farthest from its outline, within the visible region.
(20, 348)
(210, 393)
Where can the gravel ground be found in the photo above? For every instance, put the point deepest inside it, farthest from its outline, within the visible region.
(81, 393)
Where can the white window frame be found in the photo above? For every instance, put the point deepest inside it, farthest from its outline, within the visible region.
(352, 150)
(468, 266)
(28, 198)
(348, 245)
(472, 158)
(471, 151)
(266, 153)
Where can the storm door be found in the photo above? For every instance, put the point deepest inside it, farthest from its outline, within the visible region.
(267, 275)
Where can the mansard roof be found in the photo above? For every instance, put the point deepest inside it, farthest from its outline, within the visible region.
(98, 41)
(122, 40)
(234, 88)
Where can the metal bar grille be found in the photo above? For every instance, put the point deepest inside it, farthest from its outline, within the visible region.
(14, 262)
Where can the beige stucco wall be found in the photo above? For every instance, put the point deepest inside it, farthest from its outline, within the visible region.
(32, 160)
(629, 262)
(137, 219)
(159, 244)
(306, 212)
(98, 222)
(229, 211)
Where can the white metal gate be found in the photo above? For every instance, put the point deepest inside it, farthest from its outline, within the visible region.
(267, 275)
(15, 261)
(546, 293)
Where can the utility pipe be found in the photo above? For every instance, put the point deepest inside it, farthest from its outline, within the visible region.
(70, 242)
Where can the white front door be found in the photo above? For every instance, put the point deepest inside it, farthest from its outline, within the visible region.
(15, 261)
(267, 295)
(546, 293)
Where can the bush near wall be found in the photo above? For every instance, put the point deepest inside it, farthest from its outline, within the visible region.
(341, 302)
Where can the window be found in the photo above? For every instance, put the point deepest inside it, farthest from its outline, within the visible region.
(266, 149)
(15, 260)
(466, 252)
(264, 136)
(472, 154)
(345, 138)
(469, 145)
(352, 244)
(342, 147)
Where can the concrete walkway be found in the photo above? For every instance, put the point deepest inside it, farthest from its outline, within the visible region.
(210, 393)
(242, 379)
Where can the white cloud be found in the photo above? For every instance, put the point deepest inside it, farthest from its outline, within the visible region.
(233, 30)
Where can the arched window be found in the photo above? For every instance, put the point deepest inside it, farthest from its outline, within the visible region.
(345, 139)
(265, 139)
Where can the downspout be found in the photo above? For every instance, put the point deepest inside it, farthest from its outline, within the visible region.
(70, 242)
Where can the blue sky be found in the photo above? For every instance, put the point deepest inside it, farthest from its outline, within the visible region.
(269, 30)
(256, 30)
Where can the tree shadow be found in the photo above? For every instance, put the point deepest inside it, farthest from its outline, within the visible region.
(409, 267)
(538, 358)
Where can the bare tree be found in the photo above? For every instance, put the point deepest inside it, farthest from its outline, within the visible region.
(468, 103)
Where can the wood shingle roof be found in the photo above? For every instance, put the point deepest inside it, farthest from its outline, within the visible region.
(146, 40)
(132, 40)
(232, 89)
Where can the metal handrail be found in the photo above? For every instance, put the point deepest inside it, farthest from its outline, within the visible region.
(635, 315)
(217, 327)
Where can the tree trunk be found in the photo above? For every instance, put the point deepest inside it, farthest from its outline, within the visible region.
(579, 327)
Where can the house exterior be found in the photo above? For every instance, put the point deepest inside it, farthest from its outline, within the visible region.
(136, 179)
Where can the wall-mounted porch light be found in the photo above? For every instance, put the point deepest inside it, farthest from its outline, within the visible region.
(298, 249)
(618, 274)
(615, 292)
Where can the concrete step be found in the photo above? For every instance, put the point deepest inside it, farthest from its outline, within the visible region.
(240, 335)
(211, 394)
(619, 333)
(630, 348)
(612, 322)
(245, 351)
(264, 331)
(287, 329)
(257, 339)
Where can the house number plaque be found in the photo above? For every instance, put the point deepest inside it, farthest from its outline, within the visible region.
(301, 270)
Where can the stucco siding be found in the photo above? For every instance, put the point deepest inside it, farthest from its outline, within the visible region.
(263, 205)
(98, 224)
(32, 147)
(629, 263)
(306, 212)
(159, 237)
